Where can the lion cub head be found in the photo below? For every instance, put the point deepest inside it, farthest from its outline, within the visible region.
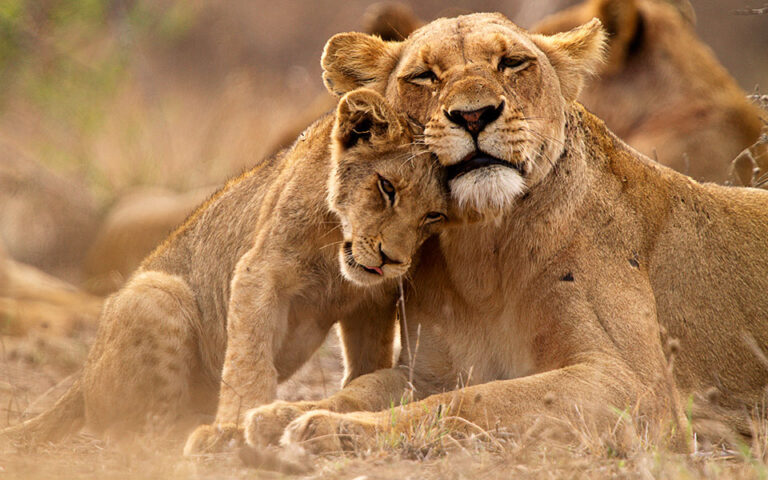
(492, 96)
(385, 187)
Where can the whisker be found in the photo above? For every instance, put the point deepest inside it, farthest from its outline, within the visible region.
(544, 136)
(331, 244)
(336, 227)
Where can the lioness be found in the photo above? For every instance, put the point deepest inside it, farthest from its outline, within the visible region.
(590, 258)
(277, 239)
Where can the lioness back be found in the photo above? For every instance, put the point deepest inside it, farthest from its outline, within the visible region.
(703, 247)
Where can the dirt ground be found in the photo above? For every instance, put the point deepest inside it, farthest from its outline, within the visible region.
(38, 366)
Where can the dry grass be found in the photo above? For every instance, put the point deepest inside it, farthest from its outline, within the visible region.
(35, 369)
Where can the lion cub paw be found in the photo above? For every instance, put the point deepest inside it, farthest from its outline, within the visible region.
(207, 439)
(264, 425)
(321, 431)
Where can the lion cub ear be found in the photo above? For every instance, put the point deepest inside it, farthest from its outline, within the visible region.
(354, 60)
(363, 116)
(574, 55)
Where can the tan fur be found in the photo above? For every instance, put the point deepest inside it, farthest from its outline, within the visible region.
(3, 268)
(272, 238)
(563, 304)
(662, 90)
(33, 300)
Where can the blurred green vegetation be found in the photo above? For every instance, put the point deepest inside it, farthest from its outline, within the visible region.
(74, 52)
(64, 62)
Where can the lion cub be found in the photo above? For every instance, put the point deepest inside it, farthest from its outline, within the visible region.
(313, 240)
(387, 194)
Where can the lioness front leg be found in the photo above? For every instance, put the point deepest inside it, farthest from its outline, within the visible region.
(583, 392)
(582, 372)
(256, 321)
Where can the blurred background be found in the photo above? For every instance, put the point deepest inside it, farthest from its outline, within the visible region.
(120, 93)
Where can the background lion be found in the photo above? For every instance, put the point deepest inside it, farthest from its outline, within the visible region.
(662, 90)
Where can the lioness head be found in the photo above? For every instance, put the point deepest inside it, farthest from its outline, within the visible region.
(385, 187)
(491, 96)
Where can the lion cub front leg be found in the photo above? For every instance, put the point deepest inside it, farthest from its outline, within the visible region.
(367, 337)
(256, 321)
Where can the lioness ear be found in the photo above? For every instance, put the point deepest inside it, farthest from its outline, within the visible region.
(391, 20)
(354, 60)
(364, 116)
(621, 20)
(686, 10)
(574, 55)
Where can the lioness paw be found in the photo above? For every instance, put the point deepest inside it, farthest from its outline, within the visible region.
(208, 439)
(264, 425)
(321, 431)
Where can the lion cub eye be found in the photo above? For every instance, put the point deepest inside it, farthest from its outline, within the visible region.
(387, 190)
(427, 77)
(433, 217)
(513, 64)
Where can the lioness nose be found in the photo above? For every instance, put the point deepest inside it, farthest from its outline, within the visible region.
(475, 121)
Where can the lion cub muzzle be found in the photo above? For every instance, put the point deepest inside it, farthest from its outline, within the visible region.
(368, 255)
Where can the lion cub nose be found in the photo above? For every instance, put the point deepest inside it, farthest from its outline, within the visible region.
(474, 121)
(386, 260)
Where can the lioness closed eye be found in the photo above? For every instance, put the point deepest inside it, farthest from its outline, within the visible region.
(359, 214)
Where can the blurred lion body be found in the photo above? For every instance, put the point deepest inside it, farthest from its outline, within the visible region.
(564, 305)
(135, 226)
(33, 300)
(65, 216)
